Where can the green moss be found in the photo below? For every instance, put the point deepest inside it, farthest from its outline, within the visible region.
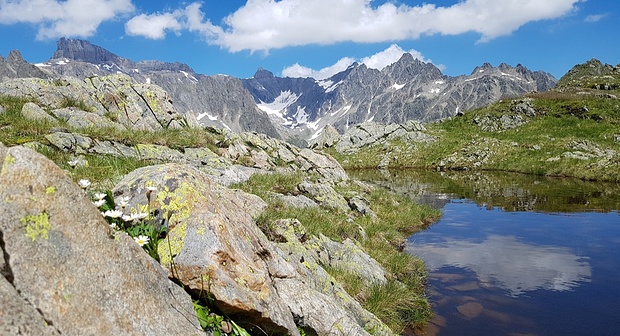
(36, 225)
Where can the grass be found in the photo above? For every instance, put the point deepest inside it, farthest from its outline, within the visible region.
(397, 218)
(563, 120)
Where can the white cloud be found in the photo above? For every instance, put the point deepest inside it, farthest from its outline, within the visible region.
(297, 70)
(155, 26)
(595, 18)
(377, 61)
(508, 263)
(152, 26)
(267, 24)
(70, 18)
(390, 55)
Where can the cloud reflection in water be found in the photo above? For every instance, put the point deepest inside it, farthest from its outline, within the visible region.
(505, 262)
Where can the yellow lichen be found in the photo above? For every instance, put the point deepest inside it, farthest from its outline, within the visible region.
(172, 245)
(8, 160)
(50, 190)
(37, 225)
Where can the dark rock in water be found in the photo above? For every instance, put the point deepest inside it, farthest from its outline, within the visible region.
(470, 309)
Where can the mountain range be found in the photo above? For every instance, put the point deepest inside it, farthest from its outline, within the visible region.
(297, 109)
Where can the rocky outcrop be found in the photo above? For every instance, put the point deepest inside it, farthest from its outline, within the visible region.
(214, 246)
(370, 134)
(328, 137)
(115, 97)
(63, 269)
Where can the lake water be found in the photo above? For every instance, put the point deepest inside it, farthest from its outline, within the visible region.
(516, 254)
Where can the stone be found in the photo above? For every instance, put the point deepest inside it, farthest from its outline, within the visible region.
(318, 291)
(213, 244)
(470, 309)
(68, 265)
(81, 119)
(17, 316)
(325, 195)
(296, 201)
(323, 164)
(362, 206)
(32, 111)
(328, 138)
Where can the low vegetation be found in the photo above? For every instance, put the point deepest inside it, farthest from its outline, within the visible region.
(400, 302)
(569, 133)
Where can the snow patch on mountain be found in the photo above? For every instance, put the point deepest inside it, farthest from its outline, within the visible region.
(284, 100)
(328, 85)
(398, 86)
(187, 75)
(202, 115)
(301, 117)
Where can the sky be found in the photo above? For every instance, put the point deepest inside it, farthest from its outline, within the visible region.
(318, 38)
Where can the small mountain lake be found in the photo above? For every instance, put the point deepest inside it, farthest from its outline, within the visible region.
(516, 254)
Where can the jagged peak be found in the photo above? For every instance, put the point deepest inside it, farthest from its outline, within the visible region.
(262, 73)
(15, 56)
(83, 51)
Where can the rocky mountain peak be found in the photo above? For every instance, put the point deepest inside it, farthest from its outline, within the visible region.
(481, 68)
(262, 73)
(83, 51)
(14, 66)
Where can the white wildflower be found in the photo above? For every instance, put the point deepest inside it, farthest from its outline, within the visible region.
(124, 201)
(84, 183)
(99, 203)
(141, 240)
(127, 218)
(113, 213)
(139, 215)
(99, 196)
(113, 225)
(73, 163)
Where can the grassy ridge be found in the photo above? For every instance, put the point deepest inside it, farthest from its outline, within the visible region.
(570, 134)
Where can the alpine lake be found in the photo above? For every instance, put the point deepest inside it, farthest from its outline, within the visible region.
(516, 254)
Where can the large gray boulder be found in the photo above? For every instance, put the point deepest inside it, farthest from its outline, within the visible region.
(328, 137)
(32, 111)
(213, 244)
(69, 273)
(215, 247)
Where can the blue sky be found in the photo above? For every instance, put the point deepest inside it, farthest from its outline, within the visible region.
(320, 37)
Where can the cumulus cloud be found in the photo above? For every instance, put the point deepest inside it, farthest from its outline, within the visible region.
(261, 25)
(152, 26)
(377, 61)
(510, 264)
(390, 55)
(297, 70)
(155, 26)
(53, 18)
